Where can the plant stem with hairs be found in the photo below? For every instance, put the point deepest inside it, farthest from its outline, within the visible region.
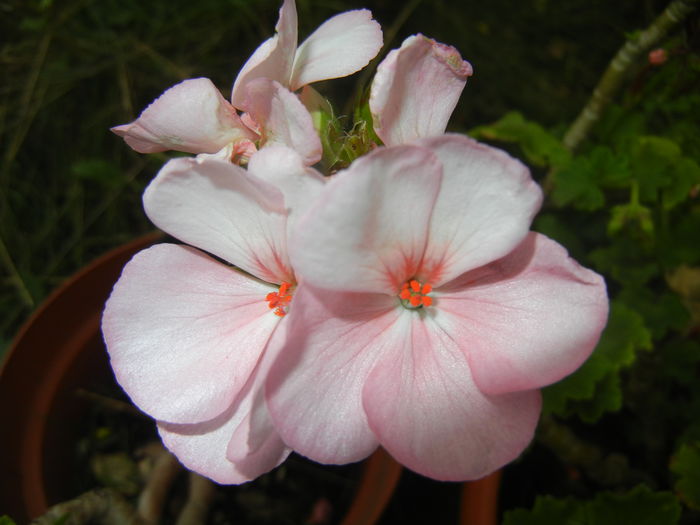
(620, 66)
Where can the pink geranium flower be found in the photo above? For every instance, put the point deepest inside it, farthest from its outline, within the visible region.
(415, 90)
(190, 338)
(193, 116)
(429, 316)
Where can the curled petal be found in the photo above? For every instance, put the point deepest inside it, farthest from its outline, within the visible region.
(191, 116)
(424, 407)
(367, 230)
(527, 320)
(283, 119)
(415, 90)
(314, 388)
(339, 47)
(273, 59)
(185, 332)
(486, 203)
(224, 210)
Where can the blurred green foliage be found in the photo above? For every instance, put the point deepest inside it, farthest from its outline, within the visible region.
(640, 506)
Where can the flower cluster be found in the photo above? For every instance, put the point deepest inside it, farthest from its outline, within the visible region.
(400, 302)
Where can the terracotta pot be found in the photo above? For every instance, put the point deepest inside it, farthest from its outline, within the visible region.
(479, 503)
(60, 350)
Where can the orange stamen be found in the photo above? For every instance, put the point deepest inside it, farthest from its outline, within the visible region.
(279, 301)
(413, 294)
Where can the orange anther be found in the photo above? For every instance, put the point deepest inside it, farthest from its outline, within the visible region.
(413, 294)
(280, 300)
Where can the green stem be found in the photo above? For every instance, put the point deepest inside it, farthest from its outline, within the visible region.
(618, 69)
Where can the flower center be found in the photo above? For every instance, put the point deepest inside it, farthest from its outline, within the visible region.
(414, 294)
(279, 300)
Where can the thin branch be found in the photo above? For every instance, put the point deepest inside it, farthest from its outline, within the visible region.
(15, 276)
(153, 496)
(618, 69)
(199, 499)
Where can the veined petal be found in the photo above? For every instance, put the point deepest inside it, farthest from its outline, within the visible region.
(526, 320)
(283, 119)
(191, 116)
(203, 447)
(185, 332)
(284, 168)
(339, 47)
(424, 407)
(367, 230)
(273, 59)
(415, 90)
(486, 203)
(314, 387)
(224, 210)
(255, 442)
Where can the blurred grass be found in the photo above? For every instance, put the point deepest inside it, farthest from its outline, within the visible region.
(70, 190)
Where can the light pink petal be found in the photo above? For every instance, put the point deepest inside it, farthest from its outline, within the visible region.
(273, 59)
(283, 119)
(424, 407)
(526, 320)
(367, 230)
(339, 47)
(255, 442)
(314, 388)
(191, 116)
(204, 447)
(415, 90)
(285, 169)
(185, 332)
(486, 204)
(224, 210)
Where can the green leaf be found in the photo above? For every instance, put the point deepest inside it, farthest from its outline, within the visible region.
(686, 465)
(627, 261)
(652, 162)
(639, 506)
(608, 169)
(661, 311)
(546, 511)
(6, 520)
(575, 185)
(540, 147)
(686, 176)
(607, 398)
(624, 335)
